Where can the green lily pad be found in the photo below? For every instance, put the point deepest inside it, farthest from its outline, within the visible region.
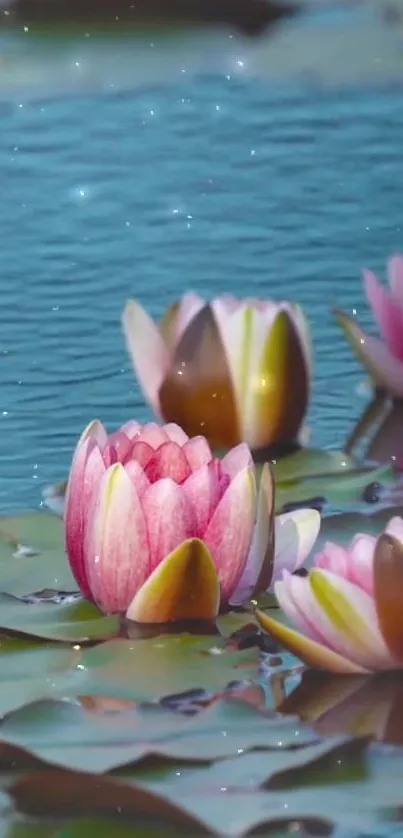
(32, 671)
(15, 826)
(145, 670)
(210, 807)
(32, 555)
(102, 828)
(341, 489)
(70, 736)
(76, 622)
(312, 462)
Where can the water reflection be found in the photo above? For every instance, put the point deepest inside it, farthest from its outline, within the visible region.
(377, 434)
(357, 705)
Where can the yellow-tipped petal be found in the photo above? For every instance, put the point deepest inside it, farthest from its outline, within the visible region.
(183, 587)
(310, 652)
(352, 616)
(280, 385)
(197, 391)
(168, 325)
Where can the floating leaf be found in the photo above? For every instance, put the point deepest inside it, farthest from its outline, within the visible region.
(150, 669)
(32, 671)
(32, 555)
(69, 735)
(312, 462)
(86, 793)
(341, 489)
(76, 622)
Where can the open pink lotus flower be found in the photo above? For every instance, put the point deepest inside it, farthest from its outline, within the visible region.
(159, 530)
(383, 359)
(350, 606)
(229, 369)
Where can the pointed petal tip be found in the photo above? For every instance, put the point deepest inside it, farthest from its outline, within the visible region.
(184, 586)
(94, 430)
(147, 349)
(310, 652)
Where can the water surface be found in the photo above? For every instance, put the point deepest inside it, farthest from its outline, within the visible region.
(216, 183)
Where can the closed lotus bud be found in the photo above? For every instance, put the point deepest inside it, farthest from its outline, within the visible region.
(234, 371)
(158, 529)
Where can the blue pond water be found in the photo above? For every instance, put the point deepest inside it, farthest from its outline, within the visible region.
(215, 184)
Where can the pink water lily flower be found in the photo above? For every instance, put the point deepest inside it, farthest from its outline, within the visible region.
(233, 370)
(158, 529)
(383, 359)
(349, 609)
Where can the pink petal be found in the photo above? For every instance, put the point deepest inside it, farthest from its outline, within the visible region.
(116, 549)
(137, 476)
(348, 619)
(295, 536)
(96, 431)
(229, 533)
(395, 274)
(153, 434)
(360, 569)
(131, 428)
(147, 349)
(395, 528)
(203, 491)
(189, 307)
(85, 473)
(333, 557)
(260, 541)
(292, 594)
(387, 312)
(385, 370)
(142, 453)
(168, 461)
(170, 518)
(227, 303)
(175, 433)
(198, 452)
(359, 639)
(237, 459)
(118, 448)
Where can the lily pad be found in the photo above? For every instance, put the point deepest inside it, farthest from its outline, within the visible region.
(150, 669)
(211, 806)
(69, 735)
(32, 671)
(341, 488)
(77, 622)
(32, 555)
(312, 462)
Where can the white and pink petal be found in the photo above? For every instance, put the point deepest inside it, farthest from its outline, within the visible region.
(116, 543)
(229, 533)
(149, 354)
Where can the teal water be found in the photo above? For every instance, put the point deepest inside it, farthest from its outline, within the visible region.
(214, 183)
